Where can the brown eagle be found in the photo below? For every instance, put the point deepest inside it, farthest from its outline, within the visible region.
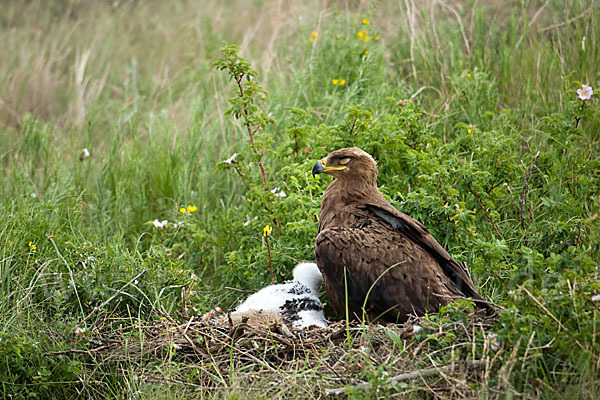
(385, 263)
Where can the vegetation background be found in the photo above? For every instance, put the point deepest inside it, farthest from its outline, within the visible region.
(470, 108)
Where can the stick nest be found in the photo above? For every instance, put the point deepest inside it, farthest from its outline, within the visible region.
(261, 352)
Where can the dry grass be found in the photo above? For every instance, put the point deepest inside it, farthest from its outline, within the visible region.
(77, 61)
(60, 61)
(248, 356)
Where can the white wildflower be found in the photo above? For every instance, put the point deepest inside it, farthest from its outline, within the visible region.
(85, 153)
(585, 93)
(232, 159)
(159, 224)
(248, 220)
(494, 343)
(80, 332)
(277, 192)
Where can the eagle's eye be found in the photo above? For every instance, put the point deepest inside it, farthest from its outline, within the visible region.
(345, 160)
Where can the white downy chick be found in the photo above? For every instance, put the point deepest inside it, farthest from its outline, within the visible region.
(297, 301)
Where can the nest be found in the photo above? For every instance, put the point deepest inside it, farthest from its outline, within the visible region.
(258, 351)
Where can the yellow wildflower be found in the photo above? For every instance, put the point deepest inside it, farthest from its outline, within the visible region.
(342, 82)
(191, 209)
(313, 36)
(32, 247)
(9, 242)
(361, 35)
(250, 163)
(469, 75)
(182, 210)
(469, 131)
(335, 81)
(366, 22)
(376, 38)
(267, 230)
(366, 52)
(366, 37)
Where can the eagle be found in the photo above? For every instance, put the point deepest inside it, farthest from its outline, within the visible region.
(378, 263)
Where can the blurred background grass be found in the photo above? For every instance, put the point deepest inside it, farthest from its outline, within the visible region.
(133, 82)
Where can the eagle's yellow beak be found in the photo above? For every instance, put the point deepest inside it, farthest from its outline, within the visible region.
(321, 166)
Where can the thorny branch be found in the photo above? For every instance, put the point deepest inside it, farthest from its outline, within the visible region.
(242, 176)
(238, 80)
(485, 211)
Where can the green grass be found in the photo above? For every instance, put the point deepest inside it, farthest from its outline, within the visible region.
(488, 86)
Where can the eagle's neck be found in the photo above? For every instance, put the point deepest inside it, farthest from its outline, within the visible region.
(343, 200)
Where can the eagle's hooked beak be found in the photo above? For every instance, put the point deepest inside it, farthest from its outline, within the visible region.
(321, 166)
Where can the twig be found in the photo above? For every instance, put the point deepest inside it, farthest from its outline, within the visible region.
(485, 212)
(78, 351)
(352, 127)
(460, 24)
(118, 292)
(545, 346)
(39, 273)
(236, 289)
(183, 305)
(560, 325)
(185, 336)
(250, 132)
(415, 94)
(477, 301)
(412, 34)
(269, 254)
(523, 195)
(420, 373)
(242, 176)
(537, 14)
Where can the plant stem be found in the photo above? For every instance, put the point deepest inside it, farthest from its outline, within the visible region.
(242, 176)
(238, 80)
(485, 211)
(269, 254)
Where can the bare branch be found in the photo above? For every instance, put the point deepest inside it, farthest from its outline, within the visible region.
(118, 292)
(420, 373)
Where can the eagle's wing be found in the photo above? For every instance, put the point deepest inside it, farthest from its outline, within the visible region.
(384, 273)
(418, 233)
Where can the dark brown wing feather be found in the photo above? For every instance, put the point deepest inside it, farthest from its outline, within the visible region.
(396, 276)
(418, 233)
(391, 258)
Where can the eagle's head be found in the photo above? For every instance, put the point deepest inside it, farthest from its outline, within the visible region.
(348, 164)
